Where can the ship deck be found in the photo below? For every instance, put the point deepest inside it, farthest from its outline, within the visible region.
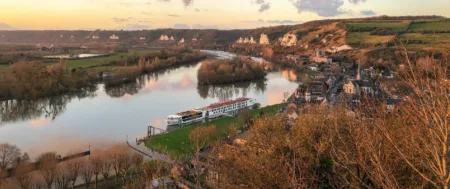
(212, 106)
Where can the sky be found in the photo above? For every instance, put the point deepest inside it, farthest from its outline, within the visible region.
(197, 14)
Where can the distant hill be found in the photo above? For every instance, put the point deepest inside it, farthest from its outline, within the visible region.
(4, 26)
(364, 32)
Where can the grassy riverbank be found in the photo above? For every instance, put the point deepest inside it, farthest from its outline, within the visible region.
(90, 62)
(177, 144)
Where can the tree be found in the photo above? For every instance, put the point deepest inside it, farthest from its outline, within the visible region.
(23, 174)
(245, 116)
(8, 155)
(63, 176)
(97, 163)
(2, 177)
(47, 166)
(106, 165)
(87, 173)
(199, 137)
(74, 168)
(116, 155)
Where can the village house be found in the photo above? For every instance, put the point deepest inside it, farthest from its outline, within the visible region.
(312, 92)
(320, 57)
(172, 38)
(142, 38)
(95, 37)
(181, 41)
(293, 58)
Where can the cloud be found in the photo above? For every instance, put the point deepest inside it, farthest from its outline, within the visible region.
(181, 26)
(368, 13)
(173, 15)
(264, 6)
(356, 1)
(199, 26)
(136, 27)
(325, 8)
(123, 20)
(4, 26)
(187, 2)
(146, 13)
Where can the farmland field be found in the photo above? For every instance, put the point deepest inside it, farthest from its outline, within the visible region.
(394, 26)
(431, 41)
(431, 26)
(366, 38)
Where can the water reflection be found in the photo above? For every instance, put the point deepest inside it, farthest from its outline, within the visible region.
(231, 91)
(49, 108)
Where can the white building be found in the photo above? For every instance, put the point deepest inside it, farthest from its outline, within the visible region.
(164, 38)
(142, 38)
(114, 37)
(182, 41)
(172, 38)
(264, 39)
(95, 37)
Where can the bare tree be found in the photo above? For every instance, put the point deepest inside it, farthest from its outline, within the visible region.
(63, 176)
(87, 173)
(116, 155)
(2, 177)
(125, 166)
(97, 163)
(47, 166)
(137, 159)
(199, 137)
(8, 154)
(106, 165)
(74, 169)
(23, 174)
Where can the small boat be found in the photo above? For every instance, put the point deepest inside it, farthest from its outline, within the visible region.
(227, 108)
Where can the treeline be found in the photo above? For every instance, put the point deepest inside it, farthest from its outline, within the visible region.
(31, 80)
(52, 171)
(229, 71)
(152, 62)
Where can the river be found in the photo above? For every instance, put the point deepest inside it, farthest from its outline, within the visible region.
(103, 116)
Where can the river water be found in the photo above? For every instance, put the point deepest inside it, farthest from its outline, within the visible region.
(103, 115)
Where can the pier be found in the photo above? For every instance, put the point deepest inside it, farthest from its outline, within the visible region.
(151, 131)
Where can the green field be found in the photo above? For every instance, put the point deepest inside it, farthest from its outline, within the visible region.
(366, 38)
(84, 63)
(439, 41)
(177, 143)
(394, 26)
(431, 26)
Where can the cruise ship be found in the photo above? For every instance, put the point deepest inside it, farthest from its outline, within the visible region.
(227, 108)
